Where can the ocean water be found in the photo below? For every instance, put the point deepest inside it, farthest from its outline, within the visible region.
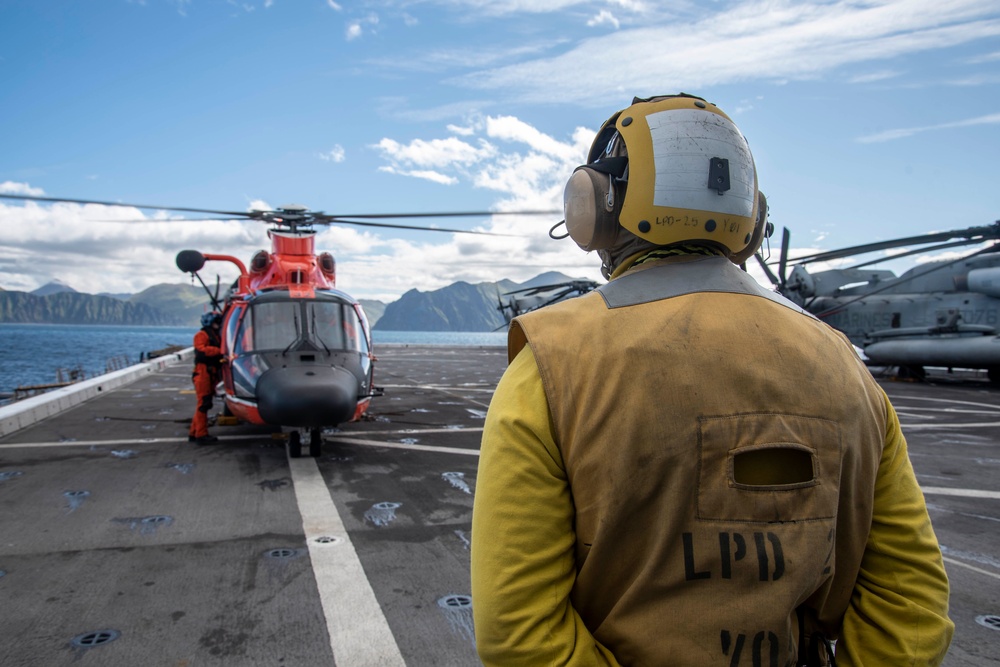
(33, 354)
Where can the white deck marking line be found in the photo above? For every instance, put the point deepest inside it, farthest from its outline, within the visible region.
(947, 411)
(447, 391)
(932, 399)
(133, 441)
(401, 445)
(439, 387)
(359, 633)
(964, 493)
(231, 438)
(939, 427)
(971, 567)
(407, 431)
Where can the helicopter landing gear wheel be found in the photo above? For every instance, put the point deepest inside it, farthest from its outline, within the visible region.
(315, 443)
(294, 445)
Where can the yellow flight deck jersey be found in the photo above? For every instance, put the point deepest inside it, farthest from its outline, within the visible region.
(683, 468)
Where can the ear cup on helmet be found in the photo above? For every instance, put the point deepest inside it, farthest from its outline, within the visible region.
(762, 229)
(591, 207)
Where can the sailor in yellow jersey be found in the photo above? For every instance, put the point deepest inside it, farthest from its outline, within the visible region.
(682, 467)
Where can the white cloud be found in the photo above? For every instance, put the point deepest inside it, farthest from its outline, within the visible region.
(461, 131)
(872, 77)
(13, 188)
(631, 5)
(435, 153)
(356, 28)
(512, 129)
(333, 5)
(335, 154)
(766, 40)
(985, 58)
(424, 174)
(604, 16)
(901, 133)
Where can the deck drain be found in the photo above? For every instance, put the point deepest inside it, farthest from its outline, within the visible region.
(382, 514)
(157, 520)
(990, 621)
(75, 499)
(326, 539)
(455, 602)
(97, 638)
(147, 525)
(457, 609)
(282, 554)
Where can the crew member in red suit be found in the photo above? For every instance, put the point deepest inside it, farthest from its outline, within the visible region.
(207, 363)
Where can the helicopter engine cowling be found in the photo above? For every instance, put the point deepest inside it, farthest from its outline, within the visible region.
(985, 281)
(307, 396)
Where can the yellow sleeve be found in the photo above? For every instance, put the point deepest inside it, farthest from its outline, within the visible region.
(523, 564)
(899, 610)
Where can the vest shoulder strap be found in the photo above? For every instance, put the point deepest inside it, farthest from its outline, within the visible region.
(673, 279)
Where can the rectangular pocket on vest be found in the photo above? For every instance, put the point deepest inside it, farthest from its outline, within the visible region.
(770, 455)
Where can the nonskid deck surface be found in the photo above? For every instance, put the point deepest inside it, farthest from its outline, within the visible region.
(121, 543)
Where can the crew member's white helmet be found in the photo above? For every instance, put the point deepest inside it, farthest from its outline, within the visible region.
(670, 169)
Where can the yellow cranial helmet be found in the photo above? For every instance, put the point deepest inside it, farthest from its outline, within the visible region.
(671, 169)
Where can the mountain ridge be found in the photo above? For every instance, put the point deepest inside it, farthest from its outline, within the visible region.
(460, 306)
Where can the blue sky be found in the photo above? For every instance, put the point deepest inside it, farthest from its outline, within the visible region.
(868, 120)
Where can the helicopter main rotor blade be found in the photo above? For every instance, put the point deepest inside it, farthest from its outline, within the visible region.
(767, 270)
(786, 237)
(61, 200)
(940, 246)
(301, 218)
(361, 223)
(456, 214)
(971, 234)
(538, 289)
(178, 220)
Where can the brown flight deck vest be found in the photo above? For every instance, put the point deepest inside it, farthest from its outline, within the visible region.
(721, 446)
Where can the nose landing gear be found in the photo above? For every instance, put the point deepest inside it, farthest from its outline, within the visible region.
(295, 443)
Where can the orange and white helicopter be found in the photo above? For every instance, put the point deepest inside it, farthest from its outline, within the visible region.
(297, 351)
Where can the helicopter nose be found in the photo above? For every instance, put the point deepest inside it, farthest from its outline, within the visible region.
(307, 396)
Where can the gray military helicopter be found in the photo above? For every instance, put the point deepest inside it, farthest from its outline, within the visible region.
(530, 298)
(940, 314)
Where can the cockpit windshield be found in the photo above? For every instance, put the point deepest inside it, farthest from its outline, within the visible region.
(335, 325)
(273, 326)
(328, 325)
